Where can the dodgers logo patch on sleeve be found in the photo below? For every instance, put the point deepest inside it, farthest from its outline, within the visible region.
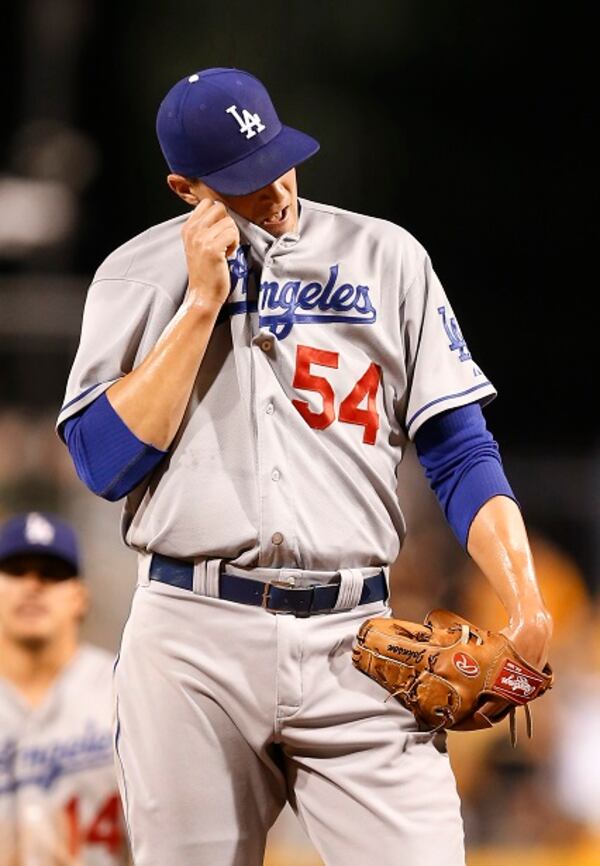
(457, 341)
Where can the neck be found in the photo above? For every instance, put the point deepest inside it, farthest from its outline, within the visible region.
(32, 667)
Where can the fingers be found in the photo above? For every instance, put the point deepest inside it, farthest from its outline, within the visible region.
(205, 214)
(232, 246)
(209, 236)
(210, 228)
(223, 235)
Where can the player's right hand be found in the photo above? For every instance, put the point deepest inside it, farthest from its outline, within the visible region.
(209, 236)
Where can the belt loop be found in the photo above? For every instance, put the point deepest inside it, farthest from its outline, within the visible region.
(143, 569)
(199, 577)
(213, 572)
(386, 574)
(351, 587)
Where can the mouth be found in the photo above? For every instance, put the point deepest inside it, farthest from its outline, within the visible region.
(31, 609)
(276, 219)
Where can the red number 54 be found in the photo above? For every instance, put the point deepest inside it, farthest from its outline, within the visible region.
(349, 411)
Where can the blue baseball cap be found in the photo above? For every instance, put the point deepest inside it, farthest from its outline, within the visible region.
(36, 534)
(219, 125)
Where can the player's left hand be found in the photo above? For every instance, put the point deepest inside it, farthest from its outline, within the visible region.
(531, 636)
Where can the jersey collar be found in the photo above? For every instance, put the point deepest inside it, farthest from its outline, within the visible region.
(262, 242)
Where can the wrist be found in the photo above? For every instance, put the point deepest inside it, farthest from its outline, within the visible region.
(201, 307)
(536, 618)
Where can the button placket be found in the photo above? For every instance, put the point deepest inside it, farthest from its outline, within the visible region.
(277, 518)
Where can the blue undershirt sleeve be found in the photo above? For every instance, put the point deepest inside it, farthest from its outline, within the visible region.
(462, 462)
(108, 457)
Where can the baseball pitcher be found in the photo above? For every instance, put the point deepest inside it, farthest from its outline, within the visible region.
(249, 376)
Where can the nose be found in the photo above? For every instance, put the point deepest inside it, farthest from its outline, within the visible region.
(32, 579)
(276, 191)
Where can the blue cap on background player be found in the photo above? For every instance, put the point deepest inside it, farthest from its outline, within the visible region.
(220, 126)
(36, 534)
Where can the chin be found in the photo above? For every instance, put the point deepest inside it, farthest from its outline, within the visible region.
(288, 226)
(277, 233)
(31, 640)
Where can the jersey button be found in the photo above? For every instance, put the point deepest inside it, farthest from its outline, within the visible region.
(277, 538)
(270, 409)
(266, 345)
(276, 475)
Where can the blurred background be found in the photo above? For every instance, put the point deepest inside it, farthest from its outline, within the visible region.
(471, 124)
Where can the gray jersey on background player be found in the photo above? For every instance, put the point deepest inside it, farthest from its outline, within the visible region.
(59, 803)
(285, 383)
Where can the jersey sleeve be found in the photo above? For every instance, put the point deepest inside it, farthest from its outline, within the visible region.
(441, 372)
(122, 320)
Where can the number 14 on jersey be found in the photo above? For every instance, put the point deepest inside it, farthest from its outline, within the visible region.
(349, 411)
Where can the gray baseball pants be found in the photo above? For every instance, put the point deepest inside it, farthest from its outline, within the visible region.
(225, 710)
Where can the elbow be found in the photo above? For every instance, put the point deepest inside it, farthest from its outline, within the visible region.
(112, 489)
(108, 458)
(113, 494)
(97, 486)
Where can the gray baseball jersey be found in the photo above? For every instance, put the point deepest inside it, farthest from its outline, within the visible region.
(59, 802)
(335, 345)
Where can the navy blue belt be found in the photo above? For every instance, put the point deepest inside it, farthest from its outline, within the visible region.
(271, 596)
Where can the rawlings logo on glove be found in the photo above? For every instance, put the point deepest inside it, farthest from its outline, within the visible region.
(446, 673)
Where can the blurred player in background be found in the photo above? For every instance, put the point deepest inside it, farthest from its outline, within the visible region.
(59, 804)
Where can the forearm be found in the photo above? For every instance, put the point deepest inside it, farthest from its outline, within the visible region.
(152, 399)
(499, 545)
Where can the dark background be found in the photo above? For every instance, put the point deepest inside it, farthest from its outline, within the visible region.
(471, 124)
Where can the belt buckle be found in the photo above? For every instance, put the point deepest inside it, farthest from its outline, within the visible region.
(266, 594)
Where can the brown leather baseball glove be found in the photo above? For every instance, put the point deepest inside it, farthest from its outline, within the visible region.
(446, 670)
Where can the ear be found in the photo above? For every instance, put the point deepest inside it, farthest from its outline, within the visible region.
(82, 602)
(182, 186)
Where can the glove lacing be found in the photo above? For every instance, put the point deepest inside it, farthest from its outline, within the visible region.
(466, 634)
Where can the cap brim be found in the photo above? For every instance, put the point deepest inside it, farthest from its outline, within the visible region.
(288, 149)
(19, 552)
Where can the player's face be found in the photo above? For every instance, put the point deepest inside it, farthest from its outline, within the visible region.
(39, 600)
(274, 207)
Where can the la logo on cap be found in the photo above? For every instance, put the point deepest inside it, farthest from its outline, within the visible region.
(249, 123)
(38, 530)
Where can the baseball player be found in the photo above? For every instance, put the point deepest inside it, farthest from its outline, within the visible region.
(59, 803)
(249, 376)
